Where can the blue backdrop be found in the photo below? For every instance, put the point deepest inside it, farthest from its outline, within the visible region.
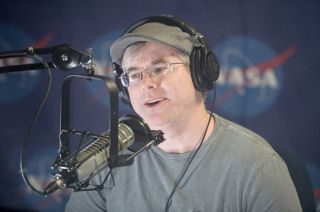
(269, 53)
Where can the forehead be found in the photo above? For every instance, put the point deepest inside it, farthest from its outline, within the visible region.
(147, 53)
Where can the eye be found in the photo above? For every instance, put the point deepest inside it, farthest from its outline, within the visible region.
(159, 69)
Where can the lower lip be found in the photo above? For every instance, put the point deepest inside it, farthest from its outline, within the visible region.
(155, 105)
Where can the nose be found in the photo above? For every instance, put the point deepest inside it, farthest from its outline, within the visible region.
(148, 81)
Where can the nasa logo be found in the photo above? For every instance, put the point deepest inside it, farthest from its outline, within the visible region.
(17, 85)
(251, 77)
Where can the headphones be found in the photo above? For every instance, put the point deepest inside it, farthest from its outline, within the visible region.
(204, 65)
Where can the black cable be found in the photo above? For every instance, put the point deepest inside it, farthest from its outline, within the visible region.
(169, 201)
(33, 123)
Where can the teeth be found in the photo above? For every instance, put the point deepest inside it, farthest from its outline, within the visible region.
(155, 100)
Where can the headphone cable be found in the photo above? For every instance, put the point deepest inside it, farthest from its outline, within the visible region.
(30, 129)
(169, 201)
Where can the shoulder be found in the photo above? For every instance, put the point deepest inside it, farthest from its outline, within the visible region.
(242, 145)
(237, 132)
(258, 167)
(231, 133)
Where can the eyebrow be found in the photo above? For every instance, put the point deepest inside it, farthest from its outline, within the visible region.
(160, 60)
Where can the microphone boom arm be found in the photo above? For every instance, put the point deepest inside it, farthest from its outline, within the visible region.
(64, 57)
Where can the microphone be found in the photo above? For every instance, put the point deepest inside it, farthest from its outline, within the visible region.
(77, 169)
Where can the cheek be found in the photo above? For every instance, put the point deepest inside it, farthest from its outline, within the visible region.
(184, 86)
(134, 98)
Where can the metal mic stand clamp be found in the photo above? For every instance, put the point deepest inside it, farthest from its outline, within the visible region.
(62, 60)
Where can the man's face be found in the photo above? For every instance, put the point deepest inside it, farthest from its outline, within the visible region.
(163, 101)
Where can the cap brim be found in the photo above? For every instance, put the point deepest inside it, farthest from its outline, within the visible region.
(119, 46)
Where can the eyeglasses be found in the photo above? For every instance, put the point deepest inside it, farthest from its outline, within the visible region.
(135, 76)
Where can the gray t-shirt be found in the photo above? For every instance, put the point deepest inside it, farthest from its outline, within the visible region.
(234, 170)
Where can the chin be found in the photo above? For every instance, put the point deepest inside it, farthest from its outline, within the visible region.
(156, 123)
(155, 120)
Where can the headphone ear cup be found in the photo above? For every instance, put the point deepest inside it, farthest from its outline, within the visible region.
(124, 96)
(212, 67)
(208, 71)
(123, 92)
(195, 68)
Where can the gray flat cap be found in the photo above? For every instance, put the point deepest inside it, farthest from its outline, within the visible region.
(156, 32)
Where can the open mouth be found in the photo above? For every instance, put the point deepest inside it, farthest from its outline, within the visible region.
(154, 102)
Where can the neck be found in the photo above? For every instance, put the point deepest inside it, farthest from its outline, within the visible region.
(187, 134)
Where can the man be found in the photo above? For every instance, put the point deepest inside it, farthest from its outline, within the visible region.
(206, 163)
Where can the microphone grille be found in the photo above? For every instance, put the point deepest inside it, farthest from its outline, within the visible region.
(125, 136)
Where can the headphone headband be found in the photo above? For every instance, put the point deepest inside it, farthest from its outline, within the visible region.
(170, 21)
